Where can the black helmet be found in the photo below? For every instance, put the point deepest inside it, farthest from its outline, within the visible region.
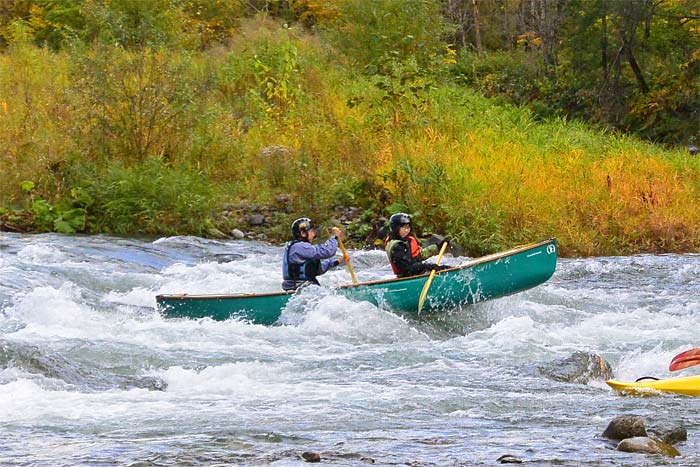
(396, 221)
(300, 225)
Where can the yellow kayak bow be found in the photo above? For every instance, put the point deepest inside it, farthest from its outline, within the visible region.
(688, 385)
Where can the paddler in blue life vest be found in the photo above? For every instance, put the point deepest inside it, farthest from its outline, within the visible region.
(303, 261)
(405, 254)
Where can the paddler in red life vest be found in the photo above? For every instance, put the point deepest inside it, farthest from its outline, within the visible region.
(405, 254)
(302, 261)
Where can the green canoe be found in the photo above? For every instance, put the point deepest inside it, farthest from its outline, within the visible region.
(477, 280)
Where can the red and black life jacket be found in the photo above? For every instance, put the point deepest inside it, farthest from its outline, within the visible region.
(412, 242)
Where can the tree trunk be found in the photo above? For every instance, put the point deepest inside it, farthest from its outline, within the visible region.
(477, 27)
(635, 69)
(604, 43)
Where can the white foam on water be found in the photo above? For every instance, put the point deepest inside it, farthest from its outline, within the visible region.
(27, 401)
(41, 254)
(219, 278)
(326, 313)
(52, 312)
(250, 379)
(138, 296)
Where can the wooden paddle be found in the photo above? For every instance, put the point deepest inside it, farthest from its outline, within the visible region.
(424, 292)
(685, 359)
(347, 260)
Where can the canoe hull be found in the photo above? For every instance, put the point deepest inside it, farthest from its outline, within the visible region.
(478, 280)
(258, 308)
(689, 386)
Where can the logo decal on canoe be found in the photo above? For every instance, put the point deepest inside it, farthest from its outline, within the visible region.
(551, 249)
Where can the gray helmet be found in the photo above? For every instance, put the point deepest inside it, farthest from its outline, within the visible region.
(396, 221)
(300, 225)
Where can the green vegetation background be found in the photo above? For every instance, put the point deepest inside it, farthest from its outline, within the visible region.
(185, 117)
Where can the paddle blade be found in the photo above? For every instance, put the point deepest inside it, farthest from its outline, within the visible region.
(347, 260)
(424, 292)
(685, 359)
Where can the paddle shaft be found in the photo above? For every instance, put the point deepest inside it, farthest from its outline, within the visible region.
(347, 260)
(424, 292)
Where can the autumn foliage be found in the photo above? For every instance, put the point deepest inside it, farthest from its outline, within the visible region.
(148, 116)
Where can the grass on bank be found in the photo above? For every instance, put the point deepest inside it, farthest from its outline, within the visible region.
(161, 139)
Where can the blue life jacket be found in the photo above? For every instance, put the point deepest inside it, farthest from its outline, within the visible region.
(306, 271)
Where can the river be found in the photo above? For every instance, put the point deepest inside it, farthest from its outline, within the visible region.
(92, 375)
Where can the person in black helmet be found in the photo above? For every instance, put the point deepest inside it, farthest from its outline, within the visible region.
(405, 254)
(302, 261)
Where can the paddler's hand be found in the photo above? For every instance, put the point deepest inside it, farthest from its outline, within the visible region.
(337, 232)
(341, 260)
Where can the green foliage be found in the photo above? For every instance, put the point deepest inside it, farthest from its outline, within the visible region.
(56, 21)
(670, 112)
(127, 23)
(479, 231)
(402, 84)
(398, 44)
(277, 77)
(212, 21)
(372, 33)
(137, 103)
(510, 75)
(152, 198)
(68, 215)
(133, 23)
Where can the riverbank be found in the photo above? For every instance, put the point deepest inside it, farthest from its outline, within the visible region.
(224, 134)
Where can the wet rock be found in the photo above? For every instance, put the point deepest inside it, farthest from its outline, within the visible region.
(224, 257)
(509, 459)
(284, 203)
(647, 445)
(434, 239)
(669, 434)
(145, 382)
(580, 367)
(382, 232)
(625, 426)
(213, 232)
(351, 213)
(309, 456)
(452, 248)
(256, 219)
(51, 365)
(237, 234)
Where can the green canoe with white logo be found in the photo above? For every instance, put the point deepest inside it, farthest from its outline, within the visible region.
(476, 280)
